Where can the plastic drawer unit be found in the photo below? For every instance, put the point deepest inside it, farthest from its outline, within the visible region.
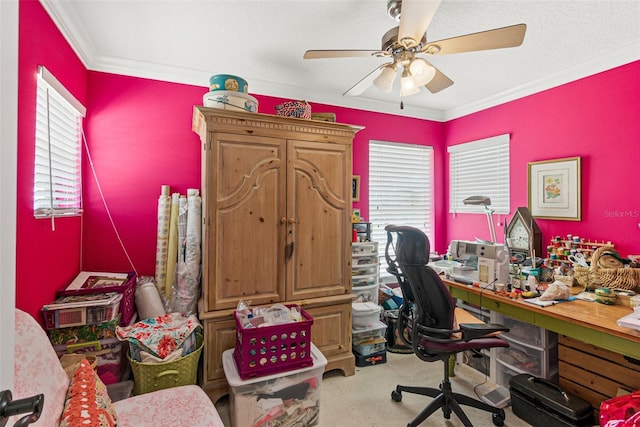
(366, 293)
(525, 333)
(532, 350)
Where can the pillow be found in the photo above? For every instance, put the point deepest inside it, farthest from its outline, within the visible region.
(88, 403)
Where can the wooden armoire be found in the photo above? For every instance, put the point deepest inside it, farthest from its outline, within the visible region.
(276, 228)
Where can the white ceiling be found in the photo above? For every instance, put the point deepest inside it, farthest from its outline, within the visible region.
(263, 41)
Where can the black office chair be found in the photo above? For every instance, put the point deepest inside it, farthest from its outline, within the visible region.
(428, 313)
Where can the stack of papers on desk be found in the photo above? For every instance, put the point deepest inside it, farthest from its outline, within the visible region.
(630, 321)
(538, 301)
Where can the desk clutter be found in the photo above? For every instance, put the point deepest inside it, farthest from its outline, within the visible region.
(592, 264)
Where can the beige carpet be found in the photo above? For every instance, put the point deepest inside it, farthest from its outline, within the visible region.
(364, 399)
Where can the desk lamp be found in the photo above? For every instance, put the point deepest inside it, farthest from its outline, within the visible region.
(485, 202)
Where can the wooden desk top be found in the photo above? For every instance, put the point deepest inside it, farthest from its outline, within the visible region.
(589, 322)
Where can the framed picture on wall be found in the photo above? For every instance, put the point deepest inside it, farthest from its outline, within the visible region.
(355, 188)
(554, 189)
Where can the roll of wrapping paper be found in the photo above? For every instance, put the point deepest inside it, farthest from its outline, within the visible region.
(162, 239)
(172, 250)
(182, 227)
(194, 234)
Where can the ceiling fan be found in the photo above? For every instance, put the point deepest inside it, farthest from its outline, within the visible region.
(404, 44)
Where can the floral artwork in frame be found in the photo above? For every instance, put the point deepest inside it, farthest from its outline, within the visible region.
(554, 189)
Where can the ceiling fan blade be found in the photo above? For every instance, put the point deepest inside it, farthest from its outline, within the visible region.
(415, 18)
(364, 83)
(498, 38)
(439, 81)
(320, 54)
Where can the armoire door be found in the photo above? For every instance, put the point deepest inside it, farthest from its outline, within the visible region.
(244, 234)
(318, 256)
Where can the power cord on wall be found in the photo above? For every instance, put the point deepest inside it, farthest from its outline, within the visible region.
(106, 207)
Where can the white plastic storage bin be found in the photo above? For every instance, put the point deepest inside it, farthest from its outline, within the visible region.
(287, 398)
(367, 280)
(364, 248)
(364, 270)
(365, 314)
(360, 336)
(525, 333)
(504, 373)
(366, 293)
(363, 259)
(539, 362)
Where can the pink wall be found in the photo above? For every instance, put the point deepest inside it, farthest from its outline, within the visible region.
(139, 134)
(45, 259)
(595, 118)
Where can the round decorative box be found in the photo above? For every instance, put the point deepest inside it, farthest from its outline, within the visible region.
(300, 109)
(230, 100)
(228, 82)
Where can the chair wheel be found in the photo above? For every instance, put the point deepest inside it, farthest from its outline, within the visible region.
(396, 396)
(498, 419)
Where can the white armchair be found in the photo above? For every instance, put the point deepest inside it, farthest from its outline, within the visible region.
(38, 370)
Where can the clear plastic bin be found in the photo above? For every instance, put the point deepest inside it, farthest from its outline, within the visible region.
(364, 270)
(287, 398)
(364, 248)
(376, 346)
(365, 314)
(366, 280)
(364, 259)
(525, 333)
(527, 359)
(366, 293)
(360, 336)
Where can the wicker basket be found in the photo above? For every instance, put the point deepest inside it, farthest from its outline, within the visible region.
(150, 377)
(593, 277)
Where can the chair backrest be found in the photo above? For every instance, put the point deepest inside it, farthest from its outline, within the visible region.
(433, 305)
(37, 369)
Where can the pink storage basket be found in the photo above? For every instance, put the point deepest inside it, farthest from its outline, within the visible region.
(273, 349)
(127, 289)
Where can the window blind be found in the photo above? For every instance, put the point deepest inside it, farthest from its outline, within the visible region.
(400, 190)
(480, 168)
(57, 182)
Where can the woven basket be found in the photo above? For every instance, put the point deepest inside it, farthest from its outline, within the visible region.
(150, 377)
(593, 277)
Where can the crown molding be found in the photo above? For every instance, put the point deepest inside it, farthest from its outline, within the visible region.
(80, 43)
(598, 64)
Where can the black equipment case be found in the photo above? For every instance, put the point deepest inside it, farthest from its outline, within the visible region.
(543, 403)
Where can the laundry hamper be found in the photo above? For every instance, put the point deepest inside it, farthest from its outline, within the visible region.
(150, 377)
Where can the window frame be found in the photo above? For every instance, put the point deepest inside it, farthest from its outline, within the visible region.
(480, 168)
(397, 172)
(57, 185)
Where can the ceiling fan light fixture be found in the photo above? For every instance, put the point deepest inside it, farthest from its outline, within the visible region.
(384, 82)
(422, 71)
(407, 84)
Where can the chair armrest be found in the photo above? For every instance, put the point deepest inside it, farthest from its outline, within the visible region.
(427, 333)
(471, 331)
